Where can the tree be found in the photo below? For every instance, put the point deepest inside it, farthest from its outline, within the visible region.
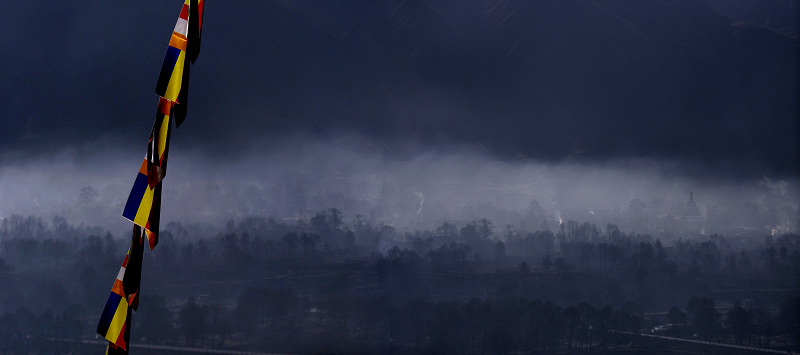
(46, 326)
(632, 316)
(603, 324)
(446, 230)
(470, 232)
(612, 232)
(360, 223)
(763, 322)
(327, 221)
(510, 232)
(704, 316)
(336, 218)
(192, 319)
(572, 318)
(739, 320)
(328, 225)
(477, 230)
(220, 324)
(588, 320)
(677, 318)
(534, 210)
(154, 321)
(309, 241)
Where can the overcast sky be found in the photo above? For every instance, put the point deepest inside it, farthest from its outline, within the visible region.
(534, 82)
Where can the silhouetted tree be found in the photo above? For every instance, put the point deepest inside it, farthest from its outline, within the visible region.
(603, 324)
(398, 278)
(632, 317)
(510, 232)
(704, 316)
(219, 324)
(572, 319)
(588, 321)
(764, 325)
(154, 320)
(192, 321)
(309, 241)
(447, 230)
(678, 319)
(360, 223)
(739, 320)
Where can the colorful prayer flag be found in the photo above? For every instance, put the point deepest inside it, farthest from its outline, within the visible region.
(173, 81)
(144, 202)
(144, 205)
(158, 145)
(169, 81)
(115, 322)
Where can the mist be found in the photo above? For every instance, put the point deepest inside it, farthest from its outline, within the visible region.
(303, 247)
(293, 178)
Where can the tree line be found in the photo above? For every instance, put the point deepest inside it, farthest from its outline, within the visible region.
(347, 285)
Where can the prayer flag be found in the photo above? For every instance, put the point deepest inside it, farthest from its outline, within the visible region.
(115, 322)
(144, 202)
(144, 205)
(173, 81)
(169, 81)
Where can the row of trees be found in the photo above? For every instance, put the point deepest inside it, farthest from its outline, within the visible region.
(22, 332)
(631, 258)
(578, 262)
(27, 242)
(265, 318)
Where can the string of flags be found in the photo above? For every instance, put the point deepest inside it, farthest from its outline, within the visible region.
(143, 207)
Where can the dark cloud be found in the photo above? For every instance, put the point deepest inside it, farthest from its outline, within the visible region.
(546, 80)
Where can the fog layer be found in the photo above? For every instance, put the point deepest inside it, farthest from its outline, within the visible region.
(407, 191)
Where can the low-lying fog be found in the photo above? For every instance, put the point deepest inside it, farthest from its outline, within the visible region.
(408, 191)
